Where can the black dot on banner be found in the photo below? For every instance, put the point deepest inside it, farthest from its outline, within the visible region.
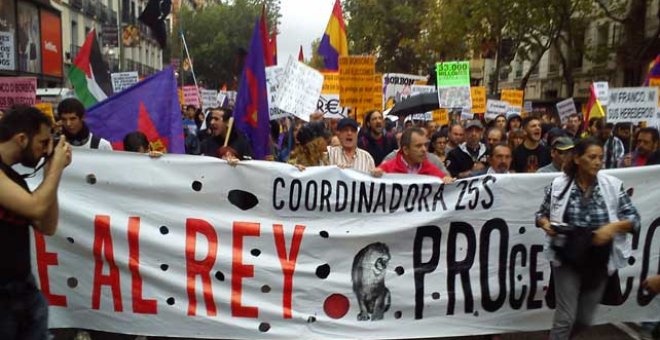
(72, 282)
(630, 192)
(397, 314)
(171, 301)
(220, 276)
(264, 327)
(255, 252)
(242, 199)
(519, 277)
(522, 230)
(545, 288)
(70, 239)
(90, 179)
(324, 234)
(631, 260)
(164, 267)
(399, 270)
(265, 289)
(476, 313)
(435, 296)
(164, 230)
(197, 185)
(311, 319)
(323, 271)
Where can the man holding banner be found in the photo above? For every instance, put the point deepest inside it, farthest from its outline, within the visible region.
(25, 138)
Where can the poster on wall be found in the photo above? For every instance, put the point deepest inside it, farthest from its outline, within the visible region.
(7, 34)
(51, 44)
(29, 40)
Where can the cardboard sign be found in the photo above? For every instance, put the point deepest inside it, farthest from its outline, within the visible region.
(330, 83)
(495, 108)
(17, 90)
(566, 108)
(299, 89)
(191, 96)
(441, 117)
(274, 76)
(378, 91)
(209, 98)
(602, 90)
(632, 105)
(513, 97)
(329, 105)
(123, 80)
(398, 86)
(356, 82)
(478, 94)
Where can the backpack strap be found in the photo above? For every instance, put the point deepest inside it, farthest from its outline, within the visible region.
(95, 142)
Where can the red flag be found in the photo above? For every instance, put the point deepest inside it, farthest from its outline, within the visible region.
(273, 44)
(301, 56)
(265, 41)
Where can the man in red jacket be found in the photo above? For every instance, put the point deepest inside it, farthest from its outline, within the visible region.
(411, 158)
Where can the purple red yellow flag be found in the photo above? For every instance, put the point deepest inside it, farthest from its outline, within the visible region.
(334, 42)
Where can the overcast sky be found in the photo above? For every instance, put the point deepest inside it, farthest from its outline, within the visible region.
(302, 21)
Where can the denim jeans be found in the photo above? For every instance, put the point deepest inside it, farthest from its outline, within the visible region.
(23, 312)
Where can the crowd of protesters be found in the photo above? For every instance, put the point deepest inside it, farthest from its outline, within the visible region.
(537, 143)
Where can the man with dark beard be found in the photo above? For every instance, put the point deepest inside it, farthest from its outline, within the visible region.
(219, 125)
(25, 138)
(531, 155)
(72, 112)
(374, 139)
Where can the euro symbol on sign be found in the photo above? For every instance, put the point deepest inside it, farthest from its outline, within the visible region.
(332, 105)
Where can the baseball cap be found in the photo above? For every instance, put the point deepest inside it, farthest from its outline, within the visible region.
(344, 122)
(563, 143)
(474, 123)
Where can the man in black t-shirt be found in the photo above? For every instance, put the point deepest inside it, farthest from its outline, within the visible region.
(25, 138)
(531, 154)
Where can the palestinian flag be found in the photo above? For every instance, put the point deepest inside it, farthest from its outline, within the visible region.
(89, 74)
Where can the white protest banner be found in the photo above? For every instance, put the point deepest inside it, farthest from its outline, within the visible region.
(123, 80)
(221, 97)
(299, 89)
(209, 98)
(329, 105)
(7, 50)
(274, 76)
(602, 89)
(565, 109)
(632, 104)
(191, 96)
(453, 80)
(495, 108)
(17, 91)
(265, 251)
(398, 86)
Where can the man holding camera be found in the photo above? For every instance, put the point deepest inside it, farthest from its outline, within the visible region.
(25, 138)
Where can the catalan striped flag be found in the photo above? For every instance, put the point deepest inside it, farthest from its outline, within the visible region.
(334, 42)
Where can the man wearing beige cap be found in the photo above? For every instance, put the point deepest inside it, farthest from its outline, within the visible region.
(561, 150)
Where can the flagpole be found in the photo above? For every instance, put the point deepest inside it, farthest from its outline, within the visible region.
(192, 68)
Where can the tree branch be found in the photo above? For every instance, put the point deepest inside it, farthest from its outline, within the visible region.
(609, 13)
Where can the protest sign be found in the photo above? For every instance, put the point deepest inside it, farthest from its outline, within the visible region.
(655, 82)
(274, 76)
(299, 89)
(179, 92)
(330, 83)
(513, 97)
(356, 82)
(495, 108)
(191, 96)
(478, 94)
(378, 91)
(566, 108)
(466, 114)
(123, 80)
(209, 98)
(7, 51)
(221, 98)
(632, 104)
(46, 108)
(453, 81)
(17, 90)
(270, 252)
(527, 106)
(602, 92)
(398, 86)
(441, 117)
(329, 105)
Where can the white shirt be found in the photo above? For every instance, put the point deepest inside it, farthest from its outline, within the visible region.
(361, 160)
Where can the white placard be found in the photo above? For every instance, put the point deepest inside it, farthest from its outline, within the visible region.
(274, 75)
(7, 51)
(299, 89)
(632, 105)
(329, 105)
(495, 108)
(566, 108)
(602, 89)
(123, 80)
(209, 98)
